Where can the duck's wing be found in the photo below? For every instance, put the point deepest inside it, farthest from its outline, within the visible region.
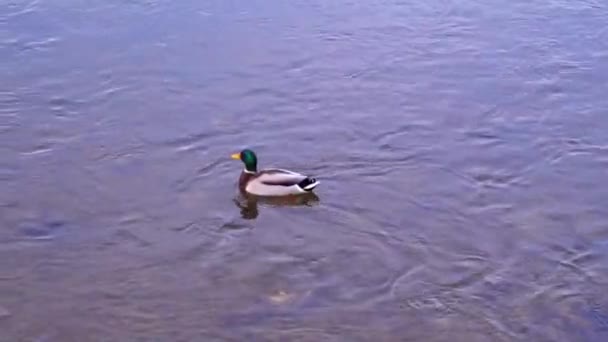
(280, 177)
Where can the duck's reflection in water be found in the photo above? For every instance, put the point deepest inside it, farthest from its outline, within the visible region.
(249, 204)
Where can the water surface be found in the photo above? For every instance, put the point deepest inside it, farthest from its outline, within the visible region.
(461, 146)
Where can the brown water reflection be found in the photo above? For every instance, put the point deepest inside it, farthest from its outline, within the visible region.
(249, 204)
(461, 147)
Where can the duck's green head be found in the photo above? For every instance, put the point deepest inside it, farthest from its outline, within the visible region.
(248, 158)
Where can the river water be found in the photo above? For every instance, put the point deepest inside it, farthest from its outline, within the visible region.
(461, 148)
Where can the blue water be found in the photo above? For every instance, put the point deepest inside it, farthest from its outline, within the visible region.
(461, 146)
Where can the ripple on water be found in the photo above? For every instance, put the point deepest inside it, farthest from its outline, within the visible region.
(65, 107)
(41, 230)
(9, 102)
(295, 271)
(598, 314)
(190, 142)
(4, 313)
(492, 177)
(40, 148)
(8, 172)
(21, 8)
(484, 137)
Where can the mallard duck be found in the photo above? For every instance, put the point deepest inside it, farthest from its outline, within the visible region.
(271, 182)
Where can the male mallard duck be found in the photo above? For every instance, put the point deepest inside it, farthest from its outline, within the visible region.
(271, 182)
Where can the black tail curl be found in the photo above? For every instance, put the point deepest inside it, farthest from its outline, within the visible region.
(306, 184)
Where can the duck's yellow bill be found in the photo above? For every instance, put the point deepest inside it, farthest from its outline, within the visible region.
(236, 156)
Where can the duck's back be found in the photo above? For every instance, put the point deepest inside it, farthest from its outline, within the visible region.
(280, 182)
